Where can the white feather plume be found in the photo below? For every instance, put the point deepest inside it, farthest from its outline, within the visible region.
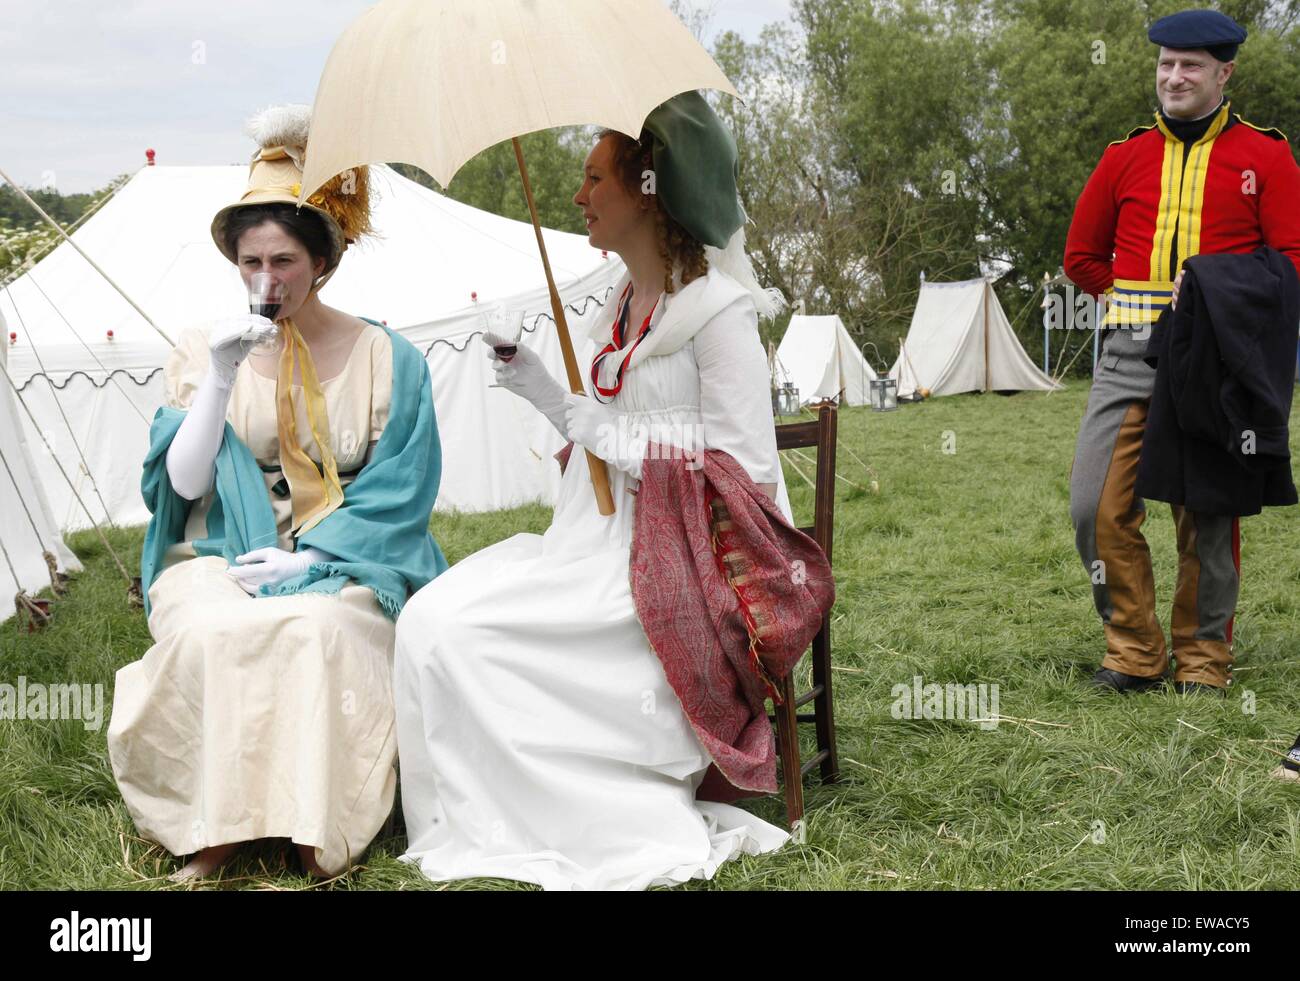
(735, 262)
(285, 125)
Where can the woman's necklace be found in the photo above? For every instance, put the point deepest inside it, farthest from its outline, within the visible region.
(603, 393)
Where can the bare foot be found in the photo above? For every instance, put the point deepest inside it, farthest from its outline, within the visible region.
(1282, 773)
(205, 862)
(308, 855)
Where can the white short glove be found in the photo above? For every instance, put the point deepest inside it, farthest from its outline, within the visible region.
(607, 433)
(229, 342)
(272, 566)
(527, 377)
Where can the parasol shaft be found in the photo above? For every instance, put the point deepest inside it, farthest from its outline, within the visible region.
(599, 475)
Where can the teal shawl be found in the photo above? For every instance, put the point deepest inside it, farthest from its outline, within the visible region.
(379, 535)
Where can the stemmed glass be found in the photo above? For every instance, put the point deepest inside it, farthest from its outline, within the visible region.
(265, 296)
(508, 327)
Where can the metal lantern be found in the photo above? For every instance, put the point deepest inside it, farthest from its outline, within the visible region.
(785, 400)
(884, 394)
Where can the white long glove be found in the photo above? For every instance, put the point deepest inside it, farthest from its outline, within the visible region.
(272, 566)
(191, 458)
(607, 433)
(527, 377)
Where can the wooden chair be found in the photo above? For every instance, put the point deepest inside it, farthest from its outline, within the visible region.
(820, 434)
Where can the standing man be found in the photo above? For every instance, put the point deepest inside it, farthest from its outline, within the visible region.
(1199, 180)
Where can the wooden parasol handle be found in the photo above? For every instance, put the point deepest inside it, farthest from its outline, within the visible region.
(599, 475)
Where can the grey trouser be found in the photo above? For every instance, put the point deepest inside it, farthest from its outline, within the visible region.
(1108, 517)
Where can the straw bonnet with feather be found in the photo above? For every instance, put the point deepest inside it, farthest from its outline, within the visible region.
(343, 203)
(275, 177)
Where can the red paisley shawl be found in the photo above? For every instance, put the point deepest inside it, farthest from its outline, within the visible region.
(730, 596)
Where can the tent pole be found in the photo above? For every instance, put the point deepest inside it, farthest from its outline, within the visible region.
(987, 289)
(1096, 343)
(1047, 317)
(916, 379)
(1047, 343)
(67, 238)
(599, 475)
(1096, 337)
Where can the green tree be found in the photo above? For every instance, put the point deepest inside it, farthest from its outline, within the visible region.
(1066, 79)
(26, 238)
(63, 208)
(1014, 102)
(491, 181)
(897, 92)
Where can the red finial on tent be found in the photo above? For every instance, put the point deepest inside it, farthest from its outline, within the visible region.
(604, 253)
(13, 338)
(110, 333)
(474, 296)
(149, 155)
(384, 322)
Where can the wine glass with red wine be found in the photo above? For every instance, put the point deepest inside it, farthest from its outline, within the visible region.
(508, 326)
(265, 296)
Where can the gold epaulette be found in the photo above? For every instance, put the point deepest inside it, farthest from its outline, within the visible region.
(1132, 133)
(1272, 131)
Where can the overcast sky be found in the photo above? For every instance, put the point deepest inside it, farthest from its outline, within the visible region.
(87, 85)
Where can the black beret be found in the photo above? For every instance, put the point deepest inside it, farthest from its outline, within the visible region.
(1215, 32)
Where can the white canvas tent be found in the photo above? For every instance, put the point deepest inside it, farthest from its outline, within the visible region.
(819, 357)
(961, 341)
(434, 267)
(27, 528)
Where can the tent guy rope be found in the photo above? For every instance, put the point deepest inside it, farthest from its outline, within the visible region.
(85, 466)
(110, 375)
(68, 238)
(71, 486)
(50, 562)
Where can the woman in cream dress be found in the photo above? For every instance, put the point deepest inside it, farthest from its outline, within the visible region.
(264, 707)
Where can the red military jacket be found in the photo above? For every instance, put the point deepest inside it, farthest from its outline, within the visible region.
(1154, 201)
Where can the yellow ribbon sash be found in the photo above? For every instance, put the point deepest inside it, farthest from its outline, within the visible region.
(314, 495)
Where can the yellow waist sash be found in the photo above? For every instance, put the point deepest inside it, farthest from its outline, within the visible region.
(314, 494)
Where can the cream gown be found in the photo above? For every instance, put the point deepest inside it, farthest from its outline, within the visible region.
(540, 739)
(269, 717)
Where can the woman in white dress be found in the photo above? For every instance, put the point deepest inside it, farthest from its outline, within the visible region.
(540, 739)
(284, 542)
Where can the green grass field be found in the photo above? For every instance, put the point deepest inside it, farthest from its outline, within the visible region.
(960, 569)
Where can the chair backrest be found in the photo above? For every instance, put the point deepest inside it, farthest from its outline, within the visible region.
(820, 433)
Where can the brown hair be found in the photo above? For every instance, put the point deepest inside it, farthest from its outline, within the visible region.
(677, 246)
(306, 227)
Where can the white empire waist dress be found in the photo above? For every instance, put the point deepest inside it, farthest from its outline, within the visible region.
(539, 739)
